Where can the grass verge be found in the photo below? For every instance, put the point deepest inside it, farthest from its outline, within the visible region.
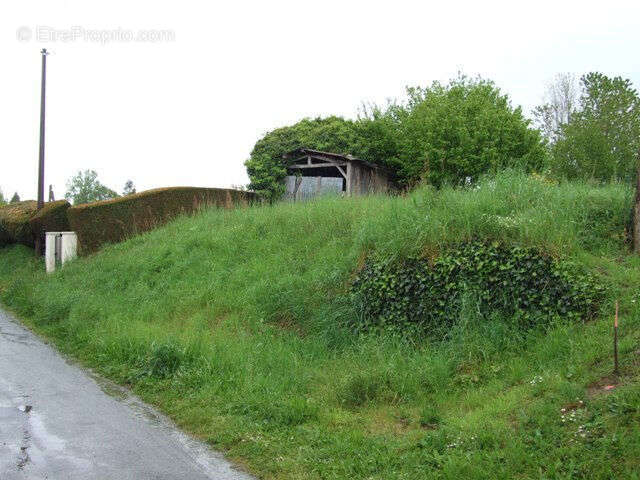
(233, 323)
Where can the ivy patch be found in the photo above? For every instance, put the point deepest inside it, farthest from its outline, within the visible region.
(522, 283)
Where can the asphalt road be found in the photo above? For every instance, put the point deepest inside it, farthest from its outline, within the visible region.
(58, 421)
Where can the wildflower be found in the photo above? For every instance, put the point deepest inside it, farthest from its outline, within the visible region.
(535, 380)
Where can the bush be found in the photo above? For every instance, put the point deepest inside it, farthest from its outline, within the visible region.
(456, 132)
(113, 221)
(51, 218)
(14, 223)
(522, 283)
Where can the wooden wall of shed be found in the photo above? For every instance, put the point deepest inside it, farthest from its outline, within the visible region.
(363, 180)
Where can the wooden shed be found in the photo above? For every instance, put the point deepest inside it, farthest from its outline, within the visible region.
(312, 172)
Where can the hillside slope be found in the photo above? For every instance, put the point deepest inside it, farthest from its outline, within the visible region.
(235, 323)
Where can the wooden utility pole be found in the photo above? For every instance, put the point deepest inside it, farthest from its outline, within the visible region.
(39, 236)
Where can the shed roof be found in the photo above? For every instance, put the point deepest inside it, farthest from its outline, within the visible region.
(302, 153)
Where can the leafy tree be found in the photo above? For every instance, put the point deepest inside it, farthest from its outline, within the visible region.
(3, 201)
(267, 168)
(15, 198)
(454, 133)
(129, 188)
(84, 187)
(602, 140)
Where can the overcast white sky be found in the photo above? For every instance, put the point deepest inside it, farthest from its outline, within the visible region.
(187, 111)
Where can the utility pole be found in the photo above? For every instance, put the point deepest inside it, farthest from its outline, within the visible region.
(39, 236)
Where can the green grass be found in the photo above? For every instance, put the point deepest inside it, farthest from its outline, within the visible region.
(232, 322)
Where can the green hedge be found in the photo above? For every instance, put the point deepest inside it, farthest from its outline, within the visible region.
(113, 221)
(14, 223)
(21, 221)
(51, 218)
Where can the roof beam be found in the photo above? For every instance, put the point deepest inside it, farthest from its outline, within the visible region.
(319, 165)
(325, 158)
(314, 156)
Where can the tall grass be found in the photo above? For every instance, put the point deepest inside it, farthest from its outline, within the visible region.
(232, 321)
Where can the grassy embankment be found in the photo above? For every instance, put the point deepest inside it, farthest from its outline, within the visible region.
(232, 322)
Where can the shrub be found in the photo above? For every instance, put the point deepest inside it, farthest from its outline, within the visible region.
(51, 218)
(456, 132)
(112, 221)
(14, 223)
(523, 283)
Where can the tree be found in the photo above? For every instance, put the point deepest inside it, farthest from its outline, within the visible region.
(560, 103)
(602, 138)
(456, 132)
(3, 201)
(129, 188)
(15, 198)
(84, 187)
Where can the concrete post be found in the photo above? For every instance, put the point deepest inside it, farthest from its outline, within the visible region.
(50, 251)
(67, 249)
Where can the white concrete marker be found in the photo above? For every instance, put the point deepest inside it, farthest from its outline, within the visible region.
(60, 247)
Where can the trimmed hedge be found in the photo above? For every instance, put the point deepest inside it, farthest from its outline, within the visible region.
(14, 223)
(21, 221)
(112, 221)
(51, 218)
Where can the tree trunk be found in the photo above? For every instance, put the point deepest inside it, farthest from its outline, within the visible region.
(636, 215)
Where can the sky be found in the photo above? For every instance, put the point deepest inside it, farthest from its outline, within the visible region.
(177, 93)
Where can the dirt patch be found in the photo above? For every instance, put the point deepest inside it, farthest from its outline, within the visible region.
(289, 325)
(603, 386)
(428, 426)
(572, 406)
(385, 423)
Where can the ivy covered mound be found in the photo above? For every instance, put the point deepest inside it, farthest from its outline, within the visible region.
(519, 282)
